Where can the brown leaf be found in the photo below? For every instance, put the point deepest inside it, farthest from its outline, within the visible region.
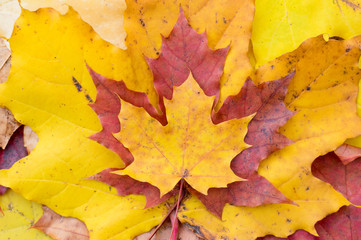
(30, 139)
(61, 228)
(5, 56)
(8, 126)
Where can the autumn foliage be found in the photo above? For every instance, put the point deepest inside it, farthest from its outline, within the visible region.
(200, 117)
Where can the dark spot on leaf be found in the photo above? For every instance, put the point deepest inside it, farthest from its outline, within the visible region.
(195, 229)
(142, 22)
(186, 173)
(348, 49)
(308, 188)
(89, 98)
(224, 20)
(79, 88)
(308, 88)
(77, 85)
(289, 220)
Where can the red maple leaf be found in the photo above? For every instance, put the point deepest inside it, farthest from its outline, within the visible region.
(186, 51)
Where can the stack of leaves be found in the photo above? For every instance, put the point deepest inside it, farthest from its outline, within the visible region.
(178, 125)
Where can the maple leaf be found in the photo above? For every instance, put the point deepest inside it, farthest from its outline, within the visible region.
(185, 51)
(171, 152)
(59, 227)
(5, 57)
(202, 158)
(267, 101)
(344, 178)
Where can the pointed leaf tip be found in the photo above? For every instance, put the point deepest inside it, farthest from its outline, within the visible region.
(185, 51)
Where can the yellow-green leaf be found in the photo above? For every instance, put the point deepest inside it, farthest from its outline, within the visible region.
(19, 215)
(280, 26)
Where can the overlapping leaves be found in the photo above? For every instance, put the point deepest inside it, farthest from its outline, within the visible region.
(322, 104)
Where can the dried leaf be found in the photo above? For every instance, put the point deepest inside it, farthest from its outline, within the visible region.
(344, 178)
(106, 17)
(30, 139)
(9, 12)
(5, 56)
(61, 228)
(8, 126)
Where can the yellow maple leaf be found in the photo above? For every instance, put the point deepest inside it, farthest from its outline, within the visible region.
(189, 147)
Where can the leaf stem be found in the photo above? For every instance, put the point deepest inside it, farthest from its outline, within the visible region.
(174, 233)
(175, 206)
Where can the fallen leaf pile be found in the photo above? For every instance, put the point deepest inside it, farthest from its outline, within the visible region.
(227, 119)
